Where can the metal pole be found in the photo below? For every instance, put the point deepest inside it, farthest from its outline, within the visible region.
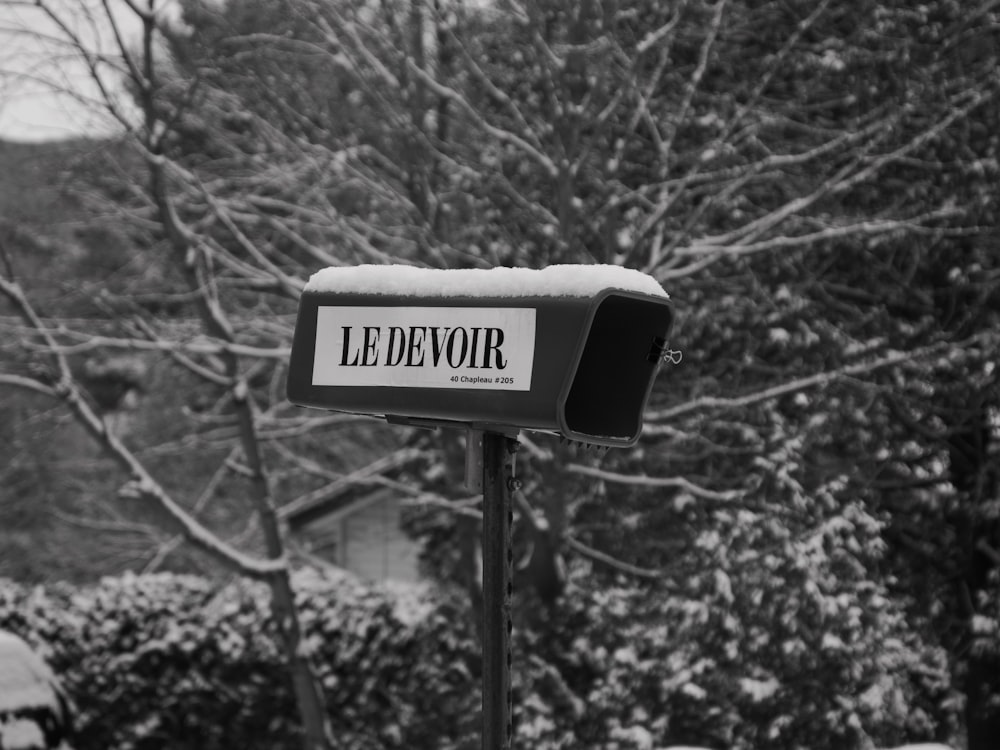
(497, 590)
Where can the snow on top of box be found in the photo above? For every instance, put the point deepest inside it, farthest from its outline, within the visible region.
(553, 281)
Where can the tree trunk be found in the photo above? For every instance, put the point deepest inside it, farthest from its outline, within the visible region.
(969, 451)
(308, 692)
(306, 687)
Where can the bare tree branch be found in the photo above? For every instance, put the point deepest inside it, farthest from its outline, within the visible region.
(615, 563)
(143, 484)
(31, 384)
(817, 380)
(639, 480)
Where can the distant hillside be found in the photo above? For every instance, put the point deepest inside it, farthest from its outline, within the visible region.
(52, 479)
(62, 514)
(54, 224)
(32, 177)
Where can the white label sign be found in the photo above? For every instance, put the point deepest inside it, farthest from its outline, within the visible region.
(425, 347)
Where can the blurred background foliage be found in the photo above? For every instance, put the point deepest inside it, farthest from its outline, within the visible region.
(804, 548)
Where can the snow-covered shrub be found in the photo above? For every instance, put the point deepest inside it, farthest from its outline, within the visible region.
(781, 650)
(717, 665)
(157, 661)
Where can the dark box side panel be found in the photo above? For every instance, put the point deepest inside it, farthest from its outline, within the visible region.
(615, 374)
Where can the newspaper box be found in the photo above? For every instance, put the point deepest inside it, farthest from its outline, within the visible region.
(570, 349)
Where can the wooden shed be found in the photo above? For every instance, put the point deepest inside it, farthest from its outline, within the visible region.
(362, 535)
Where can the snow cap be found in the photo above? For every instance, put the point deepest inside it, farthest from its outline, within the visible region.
(25, 680)
(553, 281)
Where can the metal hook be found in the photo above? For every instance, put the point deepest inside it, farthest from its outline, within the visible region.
(673, 356)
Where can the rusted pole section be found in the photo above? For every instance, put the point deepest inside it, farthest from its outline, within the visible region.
(497, 590)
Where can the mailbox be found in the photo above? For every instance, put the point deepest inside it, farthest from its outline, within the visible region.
(570, 349)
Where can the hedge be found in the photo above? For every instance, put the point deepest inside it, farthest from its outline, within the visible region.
(168, 661)
(175, 661)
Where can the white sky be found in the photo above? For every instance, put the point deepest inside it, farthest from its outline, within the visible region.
(46, 91)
